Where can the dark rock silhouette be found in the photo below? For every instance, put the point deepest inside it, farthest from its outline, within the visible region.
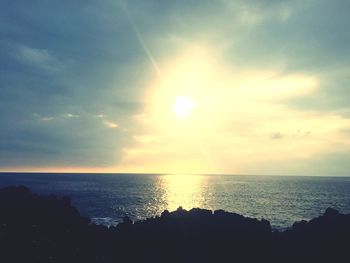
(34, 228)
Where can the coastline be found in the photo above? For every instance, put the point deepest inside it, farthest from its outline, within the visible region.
(37, 228)
(107, 198)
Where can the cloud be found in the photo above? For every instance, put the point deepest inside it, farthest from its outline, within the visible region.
(70, 115)
(107, 123)
(57, 117)
(33, 56)
(251, 15)
(277, 136)
(43, 118)
(110, 124)
(228, 97)
(40, 58)
(47, 118)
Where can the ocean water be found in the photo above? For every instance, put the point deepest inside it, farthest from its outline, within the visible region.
(106, 198)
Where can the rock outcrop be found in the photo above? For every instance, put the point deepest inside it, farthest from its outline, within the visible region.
(35, 228)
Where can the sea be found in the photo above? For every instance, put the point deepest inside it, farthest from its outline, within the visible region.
(107, 198)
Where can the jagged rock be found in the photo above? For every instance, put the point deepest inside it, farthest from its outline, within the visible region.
(35, 228)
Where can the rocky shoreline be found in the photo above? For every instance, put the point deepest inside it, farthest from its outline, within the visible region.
(37, 228)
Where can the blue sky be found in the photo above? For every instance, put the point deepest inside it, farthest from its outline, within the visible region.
(90, 86)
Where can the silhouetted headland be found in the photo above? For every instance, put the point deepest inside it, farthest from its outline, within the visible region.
(35, 228)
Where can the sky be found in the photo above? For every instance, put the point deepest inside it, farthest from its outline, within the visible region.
(232, 87)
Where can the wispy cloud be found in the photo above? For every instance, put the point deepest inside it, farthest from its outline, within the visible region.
(47, 118)
(40, 58)
(56, 117)
(141, 118)
(71, 115)
(106, 122)
(277, 136)
(251, 15)
(110, 124)
(43, 118)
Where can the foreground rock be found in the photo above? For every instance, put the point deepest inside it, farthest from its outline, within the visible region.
(47, 229)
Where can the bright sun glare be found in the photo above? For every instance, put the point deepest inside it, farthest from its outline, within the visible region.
(183, 106)
(203, 111)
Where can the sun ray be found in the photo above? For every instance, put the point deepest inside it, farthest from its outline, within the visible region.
(142, 42)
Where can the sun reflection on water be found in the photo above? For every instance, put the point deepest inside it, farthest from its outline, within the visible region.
(184, 190)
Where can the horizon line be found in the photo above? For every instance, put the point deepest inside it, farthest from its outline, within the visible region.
(161, 173)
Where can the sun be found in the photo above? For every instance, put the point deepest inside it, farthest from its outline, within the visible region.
(183, 106)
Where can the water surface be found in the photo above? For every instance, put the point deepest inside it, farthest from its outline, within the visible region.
(106, 198)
